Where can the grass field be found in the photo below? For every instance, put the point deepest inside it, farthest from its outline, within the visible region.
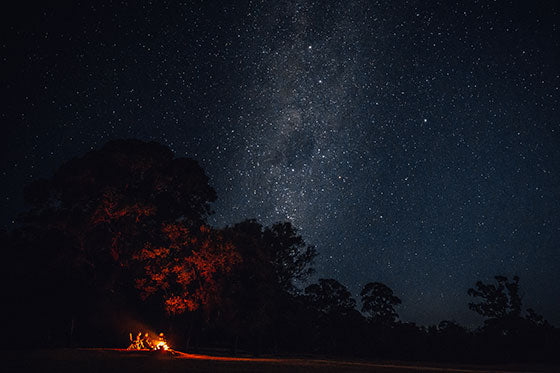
(114, 360)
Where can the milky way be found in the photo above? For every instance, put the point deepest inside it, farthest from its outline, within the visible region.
(414, 143)
(295, 118)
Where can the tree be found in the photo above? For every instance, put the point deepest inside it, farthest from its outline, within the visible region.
(259, 289)
(111, 201)
(90, 221)
(506, 335)
(276, 255)
(499, 300)
(536, 319)
(336, 322)
(379, 302)
(330, 297)
(185, 270)
(289, 255)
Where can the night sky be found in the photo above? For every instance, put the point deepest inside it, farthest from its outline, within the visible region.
(416, 143)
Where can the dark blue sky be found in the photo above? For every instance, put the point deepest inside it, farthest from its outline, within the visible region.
(414, 143)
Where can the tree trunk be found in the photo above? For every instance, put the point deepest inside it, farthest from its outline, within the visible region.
(189, 334)
(71, 333)
(235, 344)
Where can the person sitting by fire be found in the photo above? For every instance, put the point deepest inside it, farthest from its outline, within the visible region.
(161, 343)
(136, 343)
(148, 342)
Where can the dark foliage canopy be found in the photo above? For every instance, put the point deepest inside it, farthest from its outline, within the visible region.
(498, 300)
(379, 302)
(330, 297)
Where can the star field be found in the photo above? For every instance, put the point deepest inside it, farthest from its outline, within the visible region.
(413, 143)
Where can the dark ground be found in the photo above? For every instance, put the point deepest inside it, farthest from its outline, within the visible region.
(114, 360)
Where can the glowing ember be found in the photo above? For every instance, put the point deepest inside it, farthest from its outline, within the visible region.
(162, 346)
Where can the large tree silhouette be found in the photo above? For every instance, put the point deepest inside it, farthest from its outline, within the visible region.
(379, 303)
(506, 334)
(113, 200)
(258, 292)
(499, 300)
(330, 297)
(89, 224)
(337, 322)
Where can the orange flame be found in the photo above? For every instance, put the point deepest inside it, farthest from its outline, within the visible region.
(162, 346)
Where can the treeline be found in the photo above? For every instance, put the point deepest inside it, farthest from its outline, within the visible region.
(117, 241)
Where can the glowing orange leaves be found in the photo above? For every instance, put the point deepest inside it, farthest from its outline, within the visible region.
(185, 270)
(151, 253)
(112, 207)
(177, 305)
(178, 235)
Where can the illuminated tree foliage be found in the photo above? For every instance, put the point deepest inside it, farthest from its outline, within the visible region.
(112, 201)
(185, 271)
(89, 225)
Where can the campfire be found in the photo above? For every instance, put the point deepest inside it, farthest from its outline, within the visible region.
(144, 342)
(162, 346)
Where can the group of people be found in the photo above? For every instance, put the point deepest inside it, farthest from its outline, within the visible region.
(145, 342)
